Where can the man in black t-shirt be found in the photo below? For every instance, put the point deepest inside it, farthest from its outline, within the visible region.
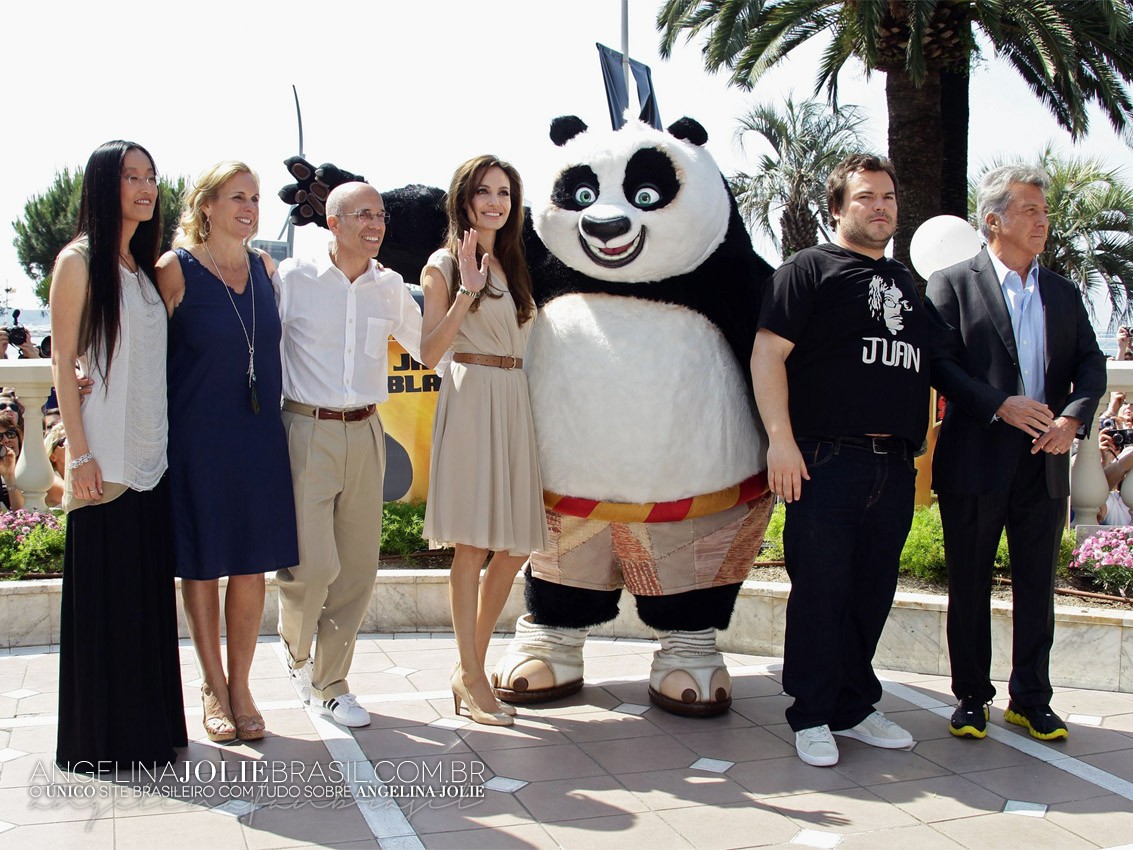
(843, 318)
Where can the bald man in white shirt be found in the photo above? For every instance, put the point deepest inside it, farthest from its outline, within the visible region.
(337, 314)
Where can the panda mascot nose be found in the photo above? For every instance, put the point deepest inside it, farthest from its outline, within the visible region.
(605, 228)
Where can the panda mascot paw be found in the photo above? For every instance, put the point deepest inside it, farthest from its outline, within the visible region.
(308, 194)
(542, 663)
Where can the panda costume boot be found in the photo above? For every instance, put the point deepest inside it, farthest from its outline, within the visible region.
(536, 650)
(695, 655)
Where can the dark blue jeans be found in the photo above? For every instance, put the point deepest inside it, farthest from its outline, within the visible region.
(842, 542)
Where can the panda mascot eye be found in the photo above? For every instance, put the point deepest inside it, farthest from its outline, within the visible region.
(646, 197)
(584, 196)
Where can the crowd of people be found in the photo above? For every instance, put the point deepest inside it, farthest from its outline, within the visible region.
(256, 445)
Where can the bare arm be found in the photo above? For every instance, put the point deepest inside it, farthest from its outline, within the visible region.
(70, 281)
(8, 473)
(442, 320)
(170, 281)
(785, 467)
(269, 264)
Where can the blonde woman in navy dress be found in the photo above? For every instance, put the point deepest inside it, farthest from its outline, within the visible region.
(233, 512)
(120, 698)
(485, 492)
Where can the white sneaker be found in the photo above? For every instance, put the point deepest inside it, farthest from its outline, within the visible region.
(877, 730)
(345, 710)
(301, 682)
(816, 746)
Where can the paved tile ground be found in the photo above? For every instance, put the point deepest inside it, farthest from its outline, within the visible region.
(601, 769)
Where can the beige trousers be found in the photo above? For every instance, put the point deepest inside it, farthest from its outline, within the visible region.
(337, 470)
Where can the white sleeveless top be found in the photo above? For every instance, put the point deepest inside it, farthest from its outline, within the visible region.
(125, 417)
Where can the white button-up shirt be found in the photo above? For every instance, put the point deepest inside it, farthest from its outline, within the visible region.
(335, 332)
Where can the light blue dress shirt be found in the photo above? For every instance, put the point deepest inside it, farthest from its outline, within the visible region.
(1025, 305)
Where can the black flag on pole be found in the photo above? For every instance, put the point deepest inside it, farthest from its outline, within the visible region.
(616, 95)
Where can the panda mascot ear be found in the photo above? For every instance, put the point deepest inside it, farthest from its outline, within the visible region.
(308, 195)
(566, 127)
(689, 130)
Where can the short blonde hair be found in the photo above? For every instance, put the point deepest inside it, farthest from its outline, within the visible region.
(54, 436)
(193, 227)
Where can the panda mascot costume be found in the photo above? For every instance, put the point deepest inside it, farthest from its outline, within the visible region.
(652, 456)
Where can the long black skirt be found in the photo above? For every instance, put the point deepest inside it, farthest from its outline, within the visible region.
(120, 701)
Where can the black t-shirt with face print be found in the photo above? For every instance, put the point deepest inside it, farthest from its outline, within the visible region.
(861, 359)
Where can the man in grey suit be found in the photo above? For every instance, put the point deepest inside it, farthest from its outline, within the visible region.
(1022, 374)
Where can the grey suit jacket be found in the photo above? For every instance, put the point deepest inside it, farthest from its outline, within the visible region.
(975, 366)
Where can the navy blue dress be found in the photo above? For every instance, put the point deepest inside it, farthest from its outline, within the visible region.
(233, 507)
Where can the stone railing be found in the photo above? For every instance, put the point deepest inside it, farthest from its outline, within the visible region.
(31, 379)
(1088, 488)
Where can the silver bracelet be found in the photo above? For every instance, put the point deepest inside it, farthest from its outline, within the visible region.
(79, 461)
(464, 290)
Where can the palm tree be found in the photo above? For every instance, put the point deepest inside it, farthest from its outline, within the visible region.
(1091, 229)
(807, 140)
(1070, 54)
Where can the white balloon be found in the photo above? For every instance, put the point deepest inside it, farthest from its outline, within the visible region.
(942, 241)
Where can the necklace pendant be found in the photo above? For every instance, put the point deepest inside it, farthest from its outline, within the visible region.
(254, 398)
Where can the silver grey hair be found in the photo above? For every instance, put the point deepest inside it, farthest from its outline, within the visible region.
(994, 192)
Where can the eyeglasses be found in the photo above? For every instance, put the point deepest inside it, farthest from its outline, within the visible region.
(135, 180)
(10, 434)
(10, 405)
(369, 216)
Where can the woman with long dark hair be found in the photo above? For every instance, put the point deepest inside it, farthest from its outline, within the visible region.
(234, 514)
(485, 492)
(120, 698)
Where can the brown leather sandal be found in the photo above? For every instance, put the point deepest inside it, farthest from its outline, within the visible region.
(250, 727)
(218, 725)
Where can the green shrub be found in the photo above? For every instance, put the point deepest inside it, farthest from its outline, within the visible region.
(923, 555)
(42, 550)
(1106, 559)
(31, 542)
(402, 526)
(772, 549)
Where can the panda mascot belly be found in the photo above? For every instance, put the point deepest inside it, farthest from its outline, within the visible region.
(619, 384)
(652, 456)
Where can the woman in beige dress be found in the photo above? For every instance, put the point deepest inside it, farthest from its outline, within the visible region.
(485, 493)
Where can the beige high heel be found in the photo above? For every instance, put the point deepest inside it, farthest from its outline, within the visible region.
(460, 692)
(218, 725)
(507, 709)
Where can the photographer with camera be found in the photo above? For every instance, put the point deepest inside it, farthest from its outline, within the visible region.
(1116, 446)
(11, 497)
(17, 335)
(1124, 343)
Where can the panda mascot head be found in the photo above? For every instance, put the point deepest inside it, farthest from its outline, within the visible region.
(646, 213)
(635, 206)
(649, 293)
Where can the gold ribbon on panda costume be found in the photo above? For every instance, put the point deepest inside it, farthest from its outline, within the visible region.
(675, 511)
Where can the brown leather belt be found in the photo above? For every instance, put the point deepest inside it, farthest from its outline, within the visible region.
(501, 362)
(355, 415)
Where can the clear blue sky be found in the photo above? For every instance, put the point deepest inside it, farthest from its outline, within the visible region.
(398, 91)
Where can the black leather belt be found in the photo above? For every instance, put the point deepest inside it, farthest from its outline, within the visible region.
(877, 445)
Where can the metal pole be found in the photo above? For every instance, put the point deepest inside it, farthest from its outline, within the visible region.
(299, 119)
(625, 46)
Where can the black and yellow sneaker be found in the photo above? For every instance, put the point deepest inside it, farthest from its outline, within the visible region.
(969, 720)
(1042, 723)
